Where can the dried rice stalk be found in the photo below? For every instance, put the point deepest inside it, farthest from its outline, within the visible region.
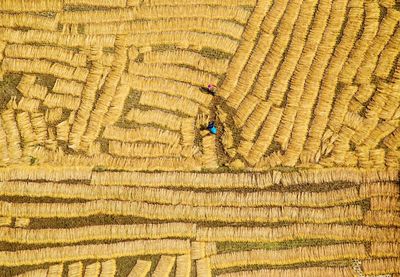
(75, 269)
(95, 251)
(68, 87)
(22, 222)
(103, 103)
(28, 105)
(381, 266)
(244, 50)
(56, 38)
(217, 42)
(5, 221)
(141, 134)
(209, 158)
(164, 266)
(12, 134)
(29, 6)
(117, 105)
(39, 127)
(173, 196)
(143, 150)
(173, 72)
(179, 212)
(183, 266)
(92, 270)
(213, 26)
(217, 66)
(46, 52)
(164, 119)
(203, 267)
(55, 270)
(100, 232)
(171, 103)
(141, 269)
(166, 86)
(188, 132)
(382, 218)
(45, 67)
(299, 232)
(298, 272)
(288, 256)
(108, 268)
(385, 249)
(87, 101)
(107, 3)
(385, 203)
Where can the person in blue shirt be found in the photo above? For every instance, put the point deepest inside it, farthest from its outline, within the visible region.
(212, 128)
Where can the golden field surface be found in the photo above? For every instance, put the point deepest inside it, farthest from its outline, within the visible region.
(107, 167)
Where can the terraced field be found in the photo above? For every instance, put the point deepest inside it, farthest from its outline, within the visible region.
(107, 167)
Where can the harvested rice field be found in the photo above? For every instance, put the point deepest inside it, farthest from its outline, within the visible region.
(199, 138)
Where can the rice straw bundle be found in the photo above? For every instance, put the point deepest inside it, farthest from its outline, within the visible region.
(174, 72)
(217, 42)
(10, 128)
(381, 266)
(213, 26)
(100, 3)
(264, 139)
(5, 221)
(73, 88)
(102, 232)
(116, 105)
(167, 86)
(44, 67)
(158, 117)
(92, 269)
(170, 10)
(55, 270)
(75, 269)
(141, 134)
(108, 268)
(385, 249)
(209, 158)
(183, 266)
(382, 218)
(29, 6)
(28, 21)
(143, 150)
(88, 98)
(339, 232)
(288, 256)
(53, 115)
(56, 38)
(218, 66)
(22, 222)
(26, 131)
(226, 198)
(103, 103)
(203, 267)
(171, 103)
(28, 105)
(188, 132)
(45, 52)
(95, 251)
(298, 272)
(386, 29)
(141, 269)
(164, 266)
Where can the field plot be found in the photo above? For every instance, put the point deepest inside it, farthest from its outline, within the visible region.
(107, 167)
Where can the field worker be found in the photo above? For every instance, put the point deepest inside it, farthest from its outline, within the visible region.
(211, 127)
(212, 88)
